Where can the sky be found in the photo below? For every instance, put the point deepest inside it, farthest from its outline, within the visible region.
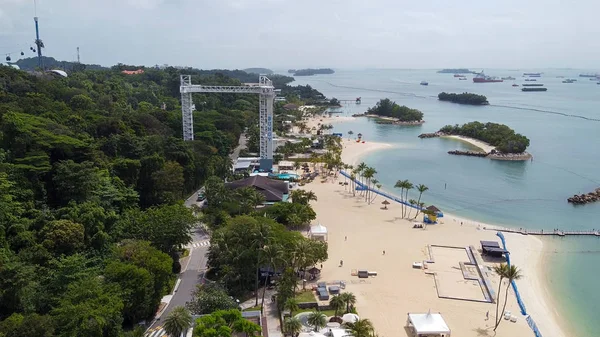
(281, 34)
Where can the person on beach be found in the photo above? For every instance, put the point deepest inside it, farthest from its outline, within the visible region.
(341, 263)
(345, 238)
(384, 252)
(487, 315)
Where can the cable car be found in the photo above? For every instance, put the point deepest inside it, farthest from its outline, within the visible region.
(8, 58)
(22, 53)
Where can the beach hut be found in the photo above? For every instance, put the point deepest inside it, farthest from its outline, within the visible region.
(350, 318)
(318, 232)
(434, 214)
(429, 324)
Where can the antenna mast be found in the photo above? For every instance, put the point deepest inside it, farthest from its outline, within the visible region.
(78, 59)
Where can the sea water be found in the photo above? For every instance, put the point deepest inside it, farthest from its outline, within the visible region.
(563, 125)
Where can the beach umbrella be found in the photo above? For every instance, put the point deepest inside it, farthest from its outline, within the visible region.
(385, 203)
(350, 318)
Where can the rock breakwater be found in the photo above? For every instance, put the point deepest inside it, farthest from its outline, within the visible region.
(585, 198)
(468, 153)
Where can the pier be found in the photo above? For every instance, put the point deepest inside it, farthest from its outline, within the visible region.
(556, 232)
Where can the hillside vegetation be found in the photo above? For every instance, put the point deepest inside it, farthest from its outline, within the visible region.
(389, 108)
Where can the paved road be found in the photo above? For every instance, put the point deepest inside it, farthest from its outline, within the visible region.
(191, 273)
(242, 144)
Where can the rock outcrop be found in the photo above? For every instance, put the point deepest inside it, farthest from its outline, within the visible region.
(468, 153)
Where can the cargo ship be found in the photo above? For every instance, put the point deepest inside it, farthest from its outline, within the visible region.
(532, 74)
(534, 89)
(533, 85)
(459, 75)
(482, 78)
(589, 75)
(509, 78)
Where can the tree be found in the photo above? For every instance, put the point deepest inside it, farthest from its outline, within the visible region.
(223, 323)
(422, 189)
(291, 304)
(169, 182)
(360, 328)
(177, 322)
(510, 273)
(317, 319)
(368, 173)
(336, 303)
(413, 204)
(90, 307)
(349, 299)
(63, 236)
(407, 187)
(303, 197)
(210, 297)
(18, 325)
(401, 184)
(292, 326)
(137, 289)
(350, 133)
(500, 270)
(272, 256)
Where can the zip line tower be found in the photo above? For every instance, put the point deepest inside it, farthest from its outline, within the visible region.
(38, 41)
(264, 88)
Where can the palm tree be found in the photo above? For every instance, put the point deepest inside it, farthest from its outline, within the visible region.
(317, 319)
(297, 166)
(350, 133)
(353, 178)
(291, 304)
(292, 326)
(349, 299)
(401, 184)
(501, 271)
(407, 187)
(368, 173)
(262, 236)
(336, 303)
(375, 182)
(421, 188)
(247, 327)
(177, 322)
(412, 202)
(273, 257)
(511, 273)
(360, 328)
(360, 169)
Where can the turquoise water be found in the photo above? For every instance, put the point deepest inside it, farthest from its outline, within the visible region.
(528, 194)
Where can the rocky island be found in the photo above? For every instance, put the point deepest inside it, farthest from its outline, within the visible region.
(310, 72)
(387, 111)
(464, 98)
(496, 141)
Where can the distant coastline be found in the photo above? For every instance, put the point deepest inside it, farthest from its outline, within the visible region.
(456, 71)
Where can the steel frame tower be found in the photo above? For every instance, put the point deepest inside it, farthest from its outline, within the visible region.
(264, 88)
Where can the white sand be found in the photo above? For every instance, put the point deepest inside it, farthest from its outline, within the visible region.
(398, 288)
(477, 143)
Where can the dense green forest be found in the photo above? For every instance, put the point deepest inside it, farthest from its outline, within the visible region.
(499, 135)
(31, 63)
(389, 108)
(92, 175)
(464, 98)
(310, 72)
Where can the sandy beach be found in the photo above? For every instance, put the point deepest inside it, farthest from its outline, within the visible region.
(487, 148)
(399, 288)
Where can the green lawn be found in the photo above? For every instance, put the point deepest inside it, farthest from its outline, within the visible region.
(327, 313)
(256, 308)
(306, 296)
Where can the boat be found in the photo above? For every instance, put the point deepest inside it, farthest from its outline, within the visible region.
(530, 79)
(532, 74)
(515, 85)
(424, 83)
(567, 81)
(462, 78)
(589, 75)
(560, 77)
(509, 78)
(482, 78)
(534, 89)
(459, 75)
(533, 85)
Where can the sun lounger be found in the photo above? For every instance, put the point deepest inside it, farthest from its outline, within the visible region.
(417, 265)
(513, 319)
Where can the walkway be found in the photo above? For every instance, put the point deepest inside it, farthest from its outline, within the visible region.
(270, 312)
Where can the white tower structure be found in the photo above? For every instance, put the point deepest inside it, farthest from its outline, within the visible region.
(264, 88)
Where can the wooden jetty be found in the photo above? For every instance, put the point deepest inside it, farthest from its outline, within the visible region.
(557, 232)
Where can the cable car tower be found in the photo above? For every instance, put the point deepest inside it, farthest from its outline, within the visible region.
(264, 88)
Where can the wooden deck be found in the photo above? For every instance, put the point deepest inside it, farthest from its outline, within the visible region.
(546, 232)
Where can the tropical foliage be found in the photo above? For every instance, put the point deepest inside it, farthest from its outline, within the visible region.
(177, 322)
(389, 108)
(225, 323)
(509, 273)
(464, 98)
(499, 135)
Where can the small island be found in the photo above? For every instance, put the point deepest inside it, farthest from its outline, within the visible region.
(262, 71)
(497, 141)
(456, 71)
(464, 98)
(310, 72)
(387, 111)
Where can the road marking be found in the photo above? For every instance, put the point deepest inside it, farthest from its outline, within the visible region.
(198, 244)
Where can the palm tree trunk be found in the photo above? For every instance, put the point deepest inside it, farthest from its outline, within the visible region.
(498, 301)
(256, 280)
(406, 200)
(401, 200)
(503, 306)
(418, 205)
(262, 303)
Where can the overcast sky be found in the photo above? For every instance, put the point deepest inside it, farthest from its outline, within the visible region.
(311, 33)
